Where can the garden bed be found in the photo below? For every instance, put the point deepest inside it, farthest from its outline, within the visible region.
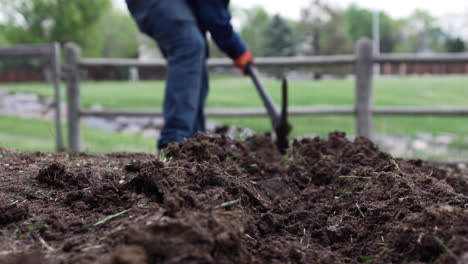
(212, 199)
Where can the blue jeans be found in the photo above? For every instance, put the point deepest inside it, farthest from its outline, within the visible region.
(173, 25)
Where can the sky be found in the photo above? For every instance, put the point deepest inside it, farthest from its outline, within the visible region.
(396, 8)
(452, 14)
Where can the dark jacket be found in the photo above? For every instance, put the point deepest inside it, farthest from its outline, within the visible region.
(212, 15)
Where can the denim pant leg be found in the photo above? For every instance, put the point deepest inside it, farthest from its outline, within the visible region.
(174, 27)
(184, 88)
(201, 124)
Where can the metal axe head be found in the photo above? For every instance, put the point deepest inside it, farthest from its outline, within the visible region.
(283, 128)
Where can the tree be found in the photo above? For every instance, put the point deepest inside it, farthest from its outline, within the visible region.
(455, 45)
(120, 39)
(420, 33)
(321, 30)
(359, 22)
(310, 26)
(3, 41)
(257, 20)
(41, 21)
(335, 39)
(279, 38)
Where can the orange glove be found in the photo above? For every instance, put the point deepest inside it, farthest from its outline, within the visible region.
(244, 59)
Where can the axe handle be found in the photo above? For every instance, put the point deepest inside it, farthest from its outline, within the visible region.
(284, 105)
(270, 106)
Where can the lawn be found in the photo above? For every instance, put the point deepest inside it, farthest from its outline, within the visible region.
(239, 92)
(37, 135)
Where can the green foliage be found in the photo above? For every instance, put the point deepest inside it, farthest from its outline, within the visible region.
(279, 41)
(420, 33)
(279, 38)
(359, 23)
(455, 45)
(3, 41)
(321, 30)
(257, 21)
(40, 21)
(119, 35)
(309, 28)
(335, 39)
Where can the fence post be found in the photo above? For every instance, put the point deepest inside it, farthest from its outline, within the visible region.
(72, 55)
(56, 77)
(364, 101)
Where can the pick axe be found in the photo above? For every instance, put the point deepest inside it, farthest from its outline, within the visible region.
(279, 120)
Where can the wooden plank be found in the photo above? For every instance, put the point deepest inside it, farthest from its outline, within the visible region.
(288, 61)
(56, 75)
(218, 62)
(113, 62)
(291, 61)
(72, 54)
(364, 101)
(27, 51)
(420, 111)
(422, 58)
(292, 111)
(214, 112)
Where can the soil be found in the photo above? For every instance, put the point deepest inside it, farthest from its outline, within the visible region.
(212, 199)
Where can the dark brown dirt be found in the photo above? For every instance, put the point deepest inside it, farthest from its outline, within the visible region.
(217, 200)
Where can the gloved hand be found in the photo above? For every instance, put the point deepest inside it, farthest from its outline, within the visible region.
(242, 61)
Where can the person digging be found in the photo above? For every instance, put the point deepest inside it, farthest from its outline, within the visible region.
(179, 27)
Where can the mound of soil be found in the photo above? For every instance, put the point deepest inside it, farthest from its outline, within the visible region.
(212, 199)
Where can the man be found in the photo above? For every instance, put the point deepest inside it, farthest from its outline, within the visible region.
(179, 28)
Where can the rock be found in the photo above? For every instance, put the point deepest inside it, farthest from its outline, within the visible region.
(424, 136)
(122, 120)
(150, 133)
(33, 115)
(131, 129)
(4, 92)
(25, 98)
(31, 107)
(211, 126)
(102, 124)
(140, 121)
(419, 144)
(48, 102)
(9, 105)
(444, 139)
(157, 122)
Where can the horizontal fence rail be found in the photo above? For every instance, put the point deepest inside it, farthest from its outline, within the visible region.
(292, 111)
(286, 61)
(27, 51)
(422, 58)
(363, 108)
(261, 62)
(222, 112)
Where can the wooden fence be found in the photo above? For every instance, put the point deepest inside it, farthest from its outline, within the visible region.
(50, 53)
(363, 108)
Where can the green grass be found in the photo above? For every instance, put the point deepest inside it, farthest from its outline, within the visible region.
(239, 92)
(459, 144)
(37, 135)
(236, 92)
